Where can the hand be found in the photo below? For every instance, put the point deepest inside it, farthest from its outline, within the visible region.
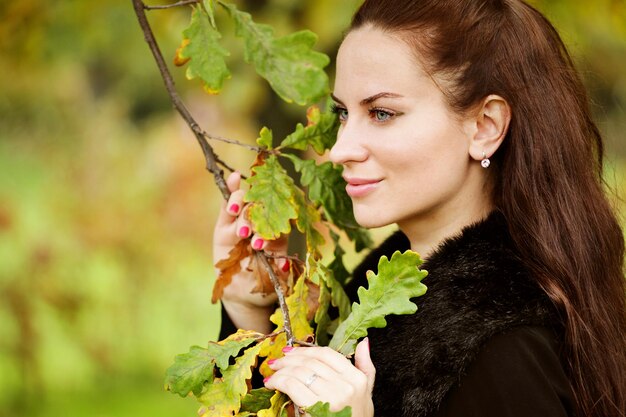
(247, 310)
(311, 374)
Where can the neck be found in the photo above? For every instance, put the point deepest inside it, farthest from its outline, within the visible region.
(429, 230)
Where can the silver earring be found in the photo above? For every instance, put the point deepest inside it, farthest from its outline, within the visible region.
(485, 162)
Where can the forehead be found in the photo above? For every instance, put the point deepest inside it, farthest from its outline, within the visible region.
(372, 59)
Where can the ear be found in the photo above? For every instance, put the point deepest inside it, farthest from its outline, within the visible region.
(491, 124)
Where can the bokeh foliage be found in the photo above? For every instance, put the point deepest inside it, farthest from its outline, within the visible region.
(105, 207)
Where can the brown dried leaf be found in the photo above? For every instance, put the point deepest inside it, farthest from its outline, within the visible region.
(312, 299)
(263, 282)
(229, 267)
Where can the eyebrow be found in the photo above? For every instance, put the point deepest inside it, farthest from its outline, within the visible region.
(371, 99)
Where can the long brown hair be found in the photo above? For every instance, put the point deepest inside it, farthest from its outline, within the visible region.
(548, 172)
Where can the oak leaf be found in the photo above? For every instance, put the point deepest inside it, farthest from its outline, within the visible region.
(271, 198)
(200, 48)
(320, 132)
(294, 70)
(308, 218)
(278, 402)
(298, 314)
(327, 187)
(389, 292)
(229, 267)
(223, 397)
(320, 409)
(192, 371)
(257, 400)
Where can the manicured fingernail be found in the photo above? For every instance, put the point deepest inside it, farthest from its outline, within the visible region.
(266, 379)
(244, 231)
(271, 361)
(287, 349)
(367, 343)
(234, 208)
(257, 244)
(285, 266)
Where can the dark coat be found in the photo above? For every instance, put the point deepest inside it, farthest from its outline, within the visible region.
(483, 342)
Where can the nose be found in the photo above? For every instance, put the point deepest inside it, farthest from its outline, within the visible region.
(349, 146)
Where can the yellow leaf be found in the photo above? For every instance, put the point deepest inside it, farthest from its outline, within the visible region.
(302, 330)
(278, 402)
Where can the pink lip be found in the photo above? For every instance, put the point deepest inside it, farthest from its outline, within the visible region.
(359, 187)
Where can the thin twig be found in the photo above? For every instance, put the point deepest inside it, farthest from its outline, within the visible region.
(225, 165)
(269, 336)
(281, 297)
(209, 155)
(234, 142)
(169, 6)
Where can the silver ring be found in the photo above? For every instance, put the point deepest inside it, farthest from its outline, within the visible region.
(310, 380)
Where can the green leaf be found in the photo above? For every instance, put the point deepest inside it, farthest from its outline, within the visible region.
(389, 292)
(308, 217)
(320, 132)
(293, 69)
(192, 370)
(210, 9)
(322, 318)
(271, 195)
(205, 55)
(320, 409)
(327, 187)
(257, 399)
(223, 397)
(340, 271)
(277, 406)
(331, 291)
(265, 138)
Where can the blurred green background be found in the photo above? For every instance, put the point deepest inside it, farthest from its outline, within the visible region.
(105, 207)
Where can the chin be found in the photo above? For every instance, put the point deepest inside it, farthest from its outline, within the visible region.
(371, 220)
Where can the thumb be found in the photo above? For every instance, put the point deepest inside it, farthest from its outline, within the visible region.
(363, 362)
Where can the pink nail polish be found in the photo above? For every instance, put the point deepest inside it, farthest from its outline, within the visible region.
(257, 244)
(244, 231)
(287, 349)
(234, 208)
(271, 361)
(285, 267)
(266, 379)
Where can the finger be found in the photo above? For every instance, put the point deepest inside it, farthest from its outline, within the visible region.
(330, 357)
(293, 387)
(235, 203)
(233, 181)
(363, 362)
(304, 367)
(325, 383)
(258, 243)
(243, 227)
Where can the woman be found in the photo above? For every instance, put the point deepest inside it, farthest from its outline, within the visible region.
(465, 123)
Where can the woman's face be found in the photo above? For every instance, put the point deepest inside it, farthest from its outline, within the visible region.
(405, 154)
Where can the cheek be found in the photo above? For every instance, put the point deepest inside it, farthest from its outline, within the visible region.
(433, 158)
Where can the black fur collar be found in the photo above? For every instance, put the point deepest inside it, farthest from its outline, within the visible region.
(477, 287)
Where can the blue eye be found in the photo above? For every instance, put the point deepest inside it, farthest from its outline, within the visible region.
(341, 112)
(381, 115)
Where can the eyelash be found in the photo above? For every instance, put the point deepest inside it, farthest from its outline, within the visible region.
(334, 108)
